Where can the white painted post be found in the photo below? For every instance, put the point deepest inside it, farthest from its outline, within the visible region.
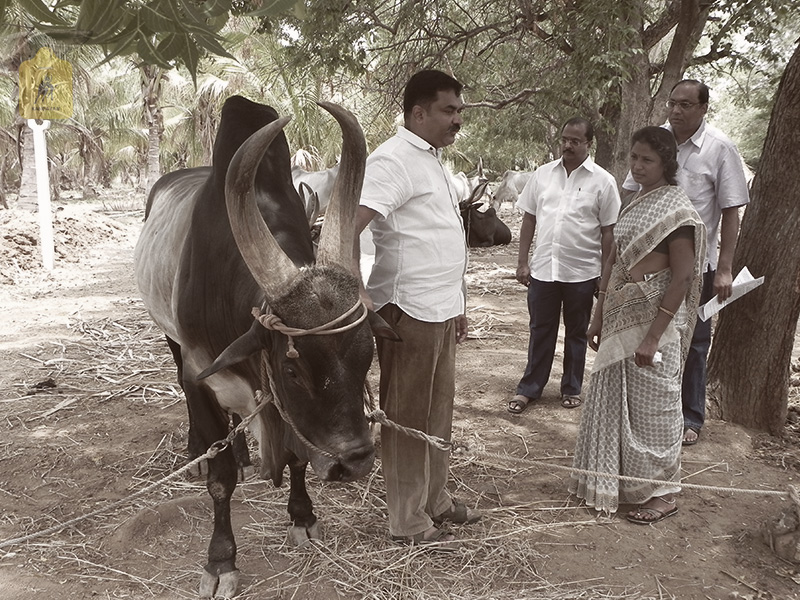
(43, 192)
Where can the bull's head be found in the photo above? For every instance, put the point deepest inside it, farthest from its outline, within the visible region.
(320, 384)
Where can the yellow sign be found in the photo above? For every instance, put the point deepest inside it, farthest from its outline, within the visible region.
(45, 87)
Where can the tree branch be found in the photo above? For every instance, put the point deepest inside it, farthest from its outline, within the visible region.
(517, 98)
(692, 21)
(661, 27)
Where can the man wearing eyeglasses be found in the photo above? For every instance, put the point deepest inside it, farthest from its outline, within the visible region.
(710, 172)
(573, 203)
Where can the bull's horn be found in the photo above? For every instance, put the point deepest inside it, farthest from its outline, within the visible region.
(268, 263)
(338, 230)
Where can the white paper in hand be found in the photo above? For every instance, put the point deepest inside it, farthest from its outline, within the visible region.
(743, 283)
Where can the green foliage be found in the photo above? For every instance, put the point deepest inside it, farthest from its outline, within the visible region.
(744, 84)
(527, 65)
(532, 65)
(164, 33)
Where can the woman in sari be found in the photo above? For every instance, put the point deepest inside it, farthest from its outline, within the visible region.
(632, 421)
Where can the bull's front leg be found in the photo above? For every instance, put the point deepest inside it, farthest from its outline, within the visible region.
(304, 525)
(198, 444)
(220, 577)
(240, 451)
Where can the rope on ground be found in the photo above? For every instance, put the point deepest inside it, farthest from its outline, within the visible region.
(212, 451)
(380, 417)
(693, 486)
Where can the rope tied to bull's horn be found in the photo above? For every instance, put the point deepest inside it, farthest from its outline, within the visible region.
(270, 320)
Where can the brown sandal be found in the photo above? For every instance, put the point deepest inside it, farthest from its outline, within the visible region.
(460, 513)
(696, 432)
(438, 542)
(518, 404)
(647, 515)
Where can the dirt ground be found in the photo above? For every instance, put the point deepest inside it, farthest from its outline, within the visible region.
(91, 414)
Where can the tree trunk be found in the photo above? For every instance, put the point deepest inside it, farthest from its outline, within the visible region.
(153, 152)
(749, 364)
(639, 102)
(613, 148)
(151, 77)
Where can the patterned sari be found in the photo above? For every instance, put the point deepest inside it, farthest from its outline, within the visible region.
(632, 421)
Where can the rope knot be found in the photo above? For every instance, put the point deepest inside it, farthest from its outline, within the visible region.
(273, 322)
(377, 416)
(268, 320)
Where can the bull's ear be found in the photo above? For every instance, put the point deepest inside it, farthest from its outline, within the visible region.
(381, 329)
(310, 202)
(240, 349)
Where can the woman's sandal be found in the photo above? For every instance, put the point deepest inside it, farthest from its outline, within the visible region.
(438, 542)
(647, 515)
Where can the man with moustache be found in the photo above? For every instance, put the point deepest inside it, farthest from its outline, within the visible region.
(710, 172)
(417, 285)
(574, 203)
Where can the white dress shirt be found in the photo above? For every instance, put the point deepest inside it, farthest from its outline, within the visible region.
(420, 246)
(569, 211)
(710, 172)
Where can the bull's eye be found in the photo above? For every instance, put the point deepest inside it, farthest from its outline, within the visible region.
(290, 372)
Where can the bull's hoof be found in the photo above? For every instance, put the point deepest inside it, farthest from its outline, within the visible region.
(301, 536)
(222, 587)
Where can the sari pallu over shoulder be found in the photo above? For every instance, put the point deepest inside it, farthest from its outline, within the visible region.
(631, 306)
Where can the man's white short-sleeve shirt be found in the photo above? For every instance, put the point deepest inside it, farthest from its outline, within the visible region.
(420, 246)
(569, 211)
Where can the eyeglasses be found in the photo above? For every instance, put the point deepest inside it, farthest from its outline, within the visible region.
(572, 141)
(683, 105)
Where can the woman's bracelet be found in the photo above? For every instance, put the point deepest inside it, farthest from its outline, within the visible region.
(669, 312)
(601, 292)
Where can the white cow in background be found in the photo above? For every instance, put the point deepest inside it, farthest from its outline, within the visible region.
(465, 186)
(461, 185)
(510, 186)
(315, 188)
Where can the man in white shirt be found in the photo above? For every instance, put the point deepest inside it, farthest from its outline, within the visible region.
(574, 203)
(710, 172)
(417, 286)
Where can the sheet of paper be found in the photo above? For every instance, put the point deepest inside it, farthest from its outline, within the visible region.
(743, 283)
